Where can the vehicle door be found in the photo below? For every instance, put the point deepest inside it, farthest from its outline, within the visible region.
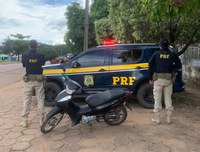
(126, 68)
(90, 69)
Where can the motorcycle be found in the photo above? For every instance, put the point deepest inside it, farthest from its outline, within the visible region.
(109, 106)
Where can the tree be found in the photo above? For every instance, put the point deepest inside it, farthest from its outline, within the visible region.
(119, 17)
(75, 24)
(178, 19)
(48, 51)
(103, 30)
(98, 10)
(15, 47)
(53, 51)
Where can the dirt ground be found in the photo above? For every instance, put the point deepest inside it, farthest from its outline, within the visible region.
(136, 134)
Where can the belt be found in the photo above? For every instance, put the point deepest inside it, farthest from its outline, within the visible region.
(167, 76)
(35, 77)
(157, 76)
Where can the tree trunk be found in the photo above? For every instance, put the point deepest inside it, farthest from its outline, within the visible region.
(188, 43)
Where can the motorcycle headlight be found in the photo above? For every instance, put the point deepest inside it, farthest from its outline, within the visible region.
(65, 99)
(68, 90)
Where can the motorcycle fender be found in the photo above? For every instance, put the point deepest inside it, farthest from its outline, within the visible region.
(54, 111)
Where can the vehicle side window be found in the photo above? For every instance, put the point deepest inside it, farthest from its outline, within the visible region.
(156, 50)
(91, 59)
(126, 56)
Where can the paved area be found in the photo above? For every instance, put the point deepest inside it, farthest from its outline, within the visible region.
(136, 134)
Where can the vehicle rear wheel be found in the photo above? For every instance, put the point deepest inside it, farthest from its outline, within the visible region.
(52, 89)
(145, 96)
(51, 122)
(116, 115)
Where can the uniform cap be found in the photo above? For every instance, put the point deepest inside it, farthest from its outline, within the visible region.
(164, 43)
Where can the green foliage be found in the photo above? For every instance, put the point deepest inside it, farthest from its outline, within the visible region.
(177, 20)
(143, 29)
(75, 23)
(98, 10)
(119, 17)
(53, 51)
(135, 21)
(103, 30)
(15, 47)
(168, 9)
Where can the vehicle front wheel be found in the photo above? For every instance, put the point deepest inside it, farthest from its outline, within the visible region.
(145, 96)
(52, 89)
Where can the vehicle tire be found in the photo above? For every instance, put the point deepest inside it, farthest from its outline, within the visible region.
(52, 89)
(51, 122)
(116, 115)
(145, 96)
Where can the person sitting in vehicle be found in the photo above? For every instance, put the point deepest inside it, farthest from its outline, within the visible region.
(64, 60)
(128, 57)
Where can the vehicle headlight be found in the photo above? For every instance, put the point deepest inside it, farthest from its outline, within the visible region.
(68, 90)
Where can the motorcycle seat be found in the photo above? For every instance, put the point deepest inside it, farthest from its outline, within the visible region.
(95, 100)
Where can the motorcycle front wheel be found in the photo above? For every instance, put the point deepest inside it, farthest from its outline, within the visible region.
(51, 122)
(116, 115)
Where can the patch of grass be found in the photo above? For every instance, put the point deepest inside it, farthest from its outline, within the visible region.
(8, 61)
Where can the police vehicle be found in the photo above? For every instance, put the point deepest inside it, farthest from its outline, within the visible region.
(123, 66)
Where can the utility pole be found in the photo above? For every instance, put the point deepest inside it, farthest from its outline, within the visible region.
(86, 24)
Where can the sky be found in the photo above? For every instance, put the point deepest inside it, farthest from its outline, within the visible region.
(43, 20)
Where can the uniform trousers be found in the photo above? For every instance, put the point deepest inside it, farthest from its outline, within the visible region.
(29, 88)
(163, 87)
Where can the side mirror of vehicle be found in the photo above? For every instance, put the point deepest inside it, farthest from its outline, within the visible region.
(76, 64)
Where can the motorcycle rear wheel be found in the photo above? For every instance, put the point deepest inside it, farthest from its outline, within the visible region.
(116, 115)
(51, 122)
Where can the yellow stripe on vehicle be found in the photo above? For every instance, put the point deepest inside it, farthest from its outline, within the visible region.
(90, 69)
(75, 70)
(128, 66)
(96, 69)
(54, 71)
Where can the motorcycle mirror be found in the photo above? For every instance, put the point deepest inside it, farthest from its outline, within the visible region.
(64, 77)
(76, 64)
(63, 68)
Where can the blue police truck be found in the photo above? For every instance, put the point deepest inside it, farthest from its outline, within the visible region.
(123, 66)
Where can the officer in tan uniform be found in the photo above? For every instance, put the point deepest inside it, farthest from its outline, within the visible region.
(161, 74)
(33, 62)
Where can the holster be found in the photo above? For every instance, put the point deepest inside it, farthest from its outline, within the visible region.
(174, 76)
(155, 77)
(39, 78)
